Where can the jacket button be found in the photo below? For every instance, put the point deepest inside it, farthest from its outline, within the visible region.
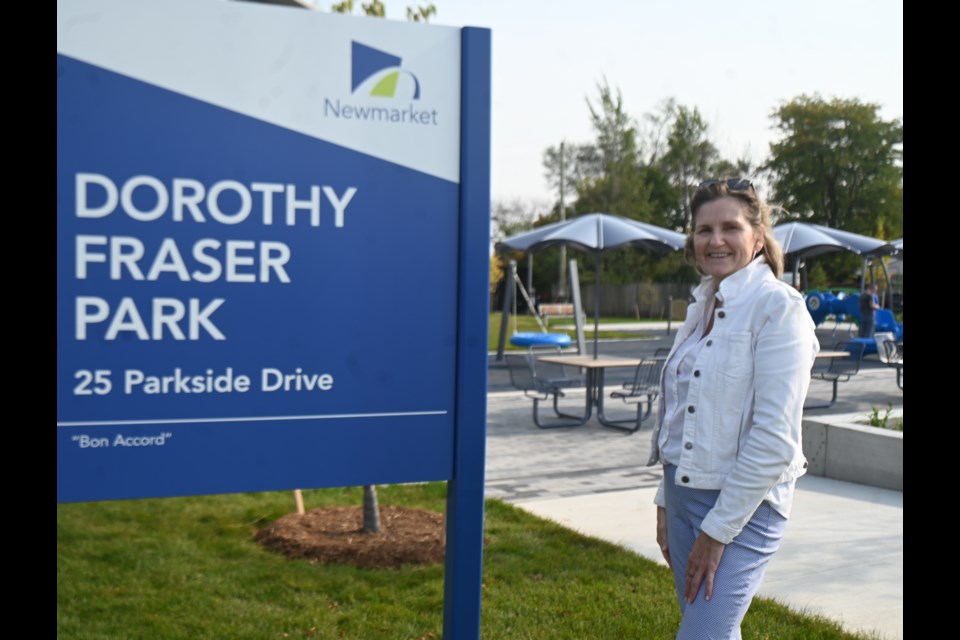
(685, 479)
(690, 409)
(722, 314)
(688, 445)
(709, 343)
(696, 374)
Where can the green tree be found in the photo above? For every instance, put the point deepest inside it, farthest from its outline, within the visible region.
(376, 9)
(508, 218)
(421, 13)
(675, 139)
(654, 131)
(578, 162)
(614, 175)
(689, 158)
(615, 180)
(615, 159)
(622, 184)
(839, 164)
(497, 272)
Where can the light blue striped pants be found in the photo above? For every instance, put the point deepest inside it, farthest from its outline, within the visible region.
(741, 567)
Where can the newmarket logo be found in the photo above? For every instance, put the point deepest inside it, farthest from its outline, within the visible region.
(378, 74)
(368, 62)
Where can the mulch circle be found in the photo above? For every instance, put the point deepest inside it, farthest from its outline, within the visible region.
(336, 535)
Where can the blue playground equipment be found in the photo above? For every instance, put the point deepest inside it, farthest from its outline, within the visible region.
(845, 308)
(533, 339)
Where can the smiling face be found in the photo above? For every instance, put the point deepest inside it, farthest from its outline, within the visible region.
(723, 240)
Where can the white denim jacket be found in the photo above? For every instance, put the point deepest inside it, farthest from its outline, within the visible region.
(741, 432)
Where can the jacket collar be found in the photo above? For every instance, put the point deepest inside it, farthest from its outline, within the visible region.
(734, 284)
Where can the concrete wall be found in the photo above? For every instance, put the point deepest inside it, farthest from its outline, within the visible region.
(839, 449)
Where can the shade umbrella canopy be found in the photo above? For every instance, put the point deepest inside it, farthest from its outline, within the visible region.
(805, 239)
(596, 233)
(808, 239)
(860, 244)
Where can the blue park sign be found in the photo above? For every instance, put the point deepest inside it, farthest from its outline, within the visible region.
(272, 240)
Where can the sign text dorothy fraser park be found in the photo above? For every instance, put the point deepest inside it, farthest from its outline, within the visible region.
(272, 241)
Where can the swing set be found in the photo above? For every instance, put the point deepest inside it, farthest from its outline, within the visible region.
(544, 337)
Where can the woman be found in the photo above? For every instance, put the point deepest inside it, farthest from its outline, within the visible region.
(728, 429)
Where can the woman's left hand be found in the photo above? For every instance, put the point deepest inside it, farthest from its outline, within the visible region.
(702, 566)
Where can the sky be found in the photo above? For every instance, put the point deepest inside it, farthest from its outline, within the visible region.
(735, 62)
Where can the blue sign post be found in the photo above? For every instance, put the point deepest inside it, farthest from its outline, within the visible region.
(272, 239)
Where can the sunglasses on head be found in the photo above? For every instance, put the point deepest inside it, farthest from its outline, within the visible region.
(734, 184)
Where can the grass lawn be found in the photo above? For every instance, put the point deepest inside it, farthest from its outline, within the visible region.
(522, 323)
(188, 568)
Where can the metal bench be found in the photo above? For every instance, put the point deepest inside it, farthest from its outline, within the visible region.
(557, 309)
(644, 388)
(840, 369)
(541, 381)
(890, 353)
(549, 310)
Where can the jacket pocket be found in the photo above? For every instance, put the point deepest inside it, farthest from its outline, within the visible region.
(734, 387)
(735, 355)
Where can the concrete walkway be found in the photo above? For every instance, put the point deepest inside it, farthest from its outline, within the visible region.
(842, 555)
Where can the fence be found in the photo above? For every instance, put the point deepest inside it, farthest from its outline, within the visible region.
(638, 300)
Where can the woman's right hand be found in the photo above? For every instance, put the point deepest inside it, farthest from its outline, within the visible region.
(662, 535)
